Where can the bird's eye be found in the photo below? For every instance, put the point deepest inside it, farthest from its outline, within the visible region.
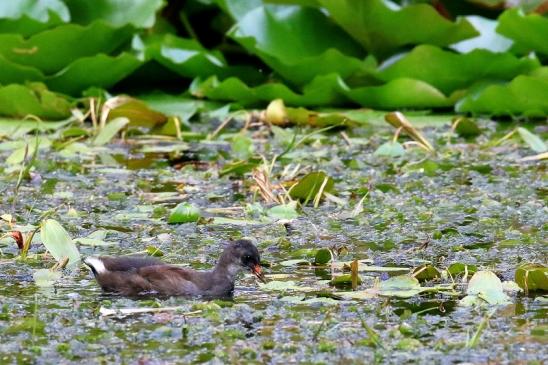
(247, 257)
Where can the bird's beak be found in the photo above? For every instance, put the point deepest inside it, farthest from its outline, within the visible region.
(258, 272)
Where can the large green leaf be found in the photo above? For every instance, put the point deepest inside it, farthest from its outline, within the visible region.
(449, 71)
(140, 13)
(400, 93)
(184, 56)
(11, 72)
(298, 43)
(529, 32)
(527, 95)
(532, 277)
(27, 17)
(58, 242)
(485, 287)
(323, 90)
(100, 71)
(52, 50)
(382, 27)
(34, 99)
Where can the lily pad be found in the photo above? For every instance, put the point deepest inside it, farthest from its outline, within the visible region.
(532, 277)
(184, 213)
(402, 286)
(46, 277)
(309, 186)
(485, 288)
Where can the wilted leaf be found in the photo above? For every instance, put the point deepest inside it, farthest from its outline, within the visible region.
(110, 130)
(58, 242)
(154, 251)
(398, 120)
(532, 277)
(532, 140)
(184, 213)
(382, 26)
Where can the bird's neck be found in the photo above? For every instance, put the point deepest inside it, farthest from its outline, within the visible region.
(225, 268)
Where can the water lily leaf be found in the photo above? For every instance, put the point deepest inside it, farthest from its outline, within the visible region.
(526, 95)
(46, 277)
(154, 251)
(382, 26)
(184, 213)
(322, 257)
(52, 50)
(11, 72)
(309, 186)
(532, 277)
(242, 146)
(29, 17)
(528, 31)
(295, 262)
(239, 168)
(299, 43)
(185, 57)
(301, 299)
(342, 281)
(181, 106)
(466, 127)
(140, 13)
(426, 272)
(458, 268)
(485, 287)
(36, 99)
(138, 113)
(322, 90)
(400, 93)
(402, 286)
(96, 238)
(99, 71)
(390, 149)
(283, 211)
(275, 285)
(111, 129)
(448, 71)
(58, 242)
(532, 140)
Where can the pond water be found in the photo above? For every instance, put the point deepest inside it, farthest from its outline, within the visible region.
(473, 202)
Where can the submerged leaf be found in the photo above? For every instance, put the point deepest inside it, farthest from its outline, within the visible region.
(402, 286)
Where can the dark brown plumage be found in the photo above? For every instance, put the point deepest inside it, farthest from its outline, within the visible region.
(141, 275)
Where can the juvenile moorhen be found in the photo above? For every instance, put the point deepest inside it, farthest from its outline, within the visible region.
(140, 275)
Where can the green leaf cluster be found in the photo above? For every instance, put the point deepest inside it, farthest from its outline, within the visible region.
(358, 53)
